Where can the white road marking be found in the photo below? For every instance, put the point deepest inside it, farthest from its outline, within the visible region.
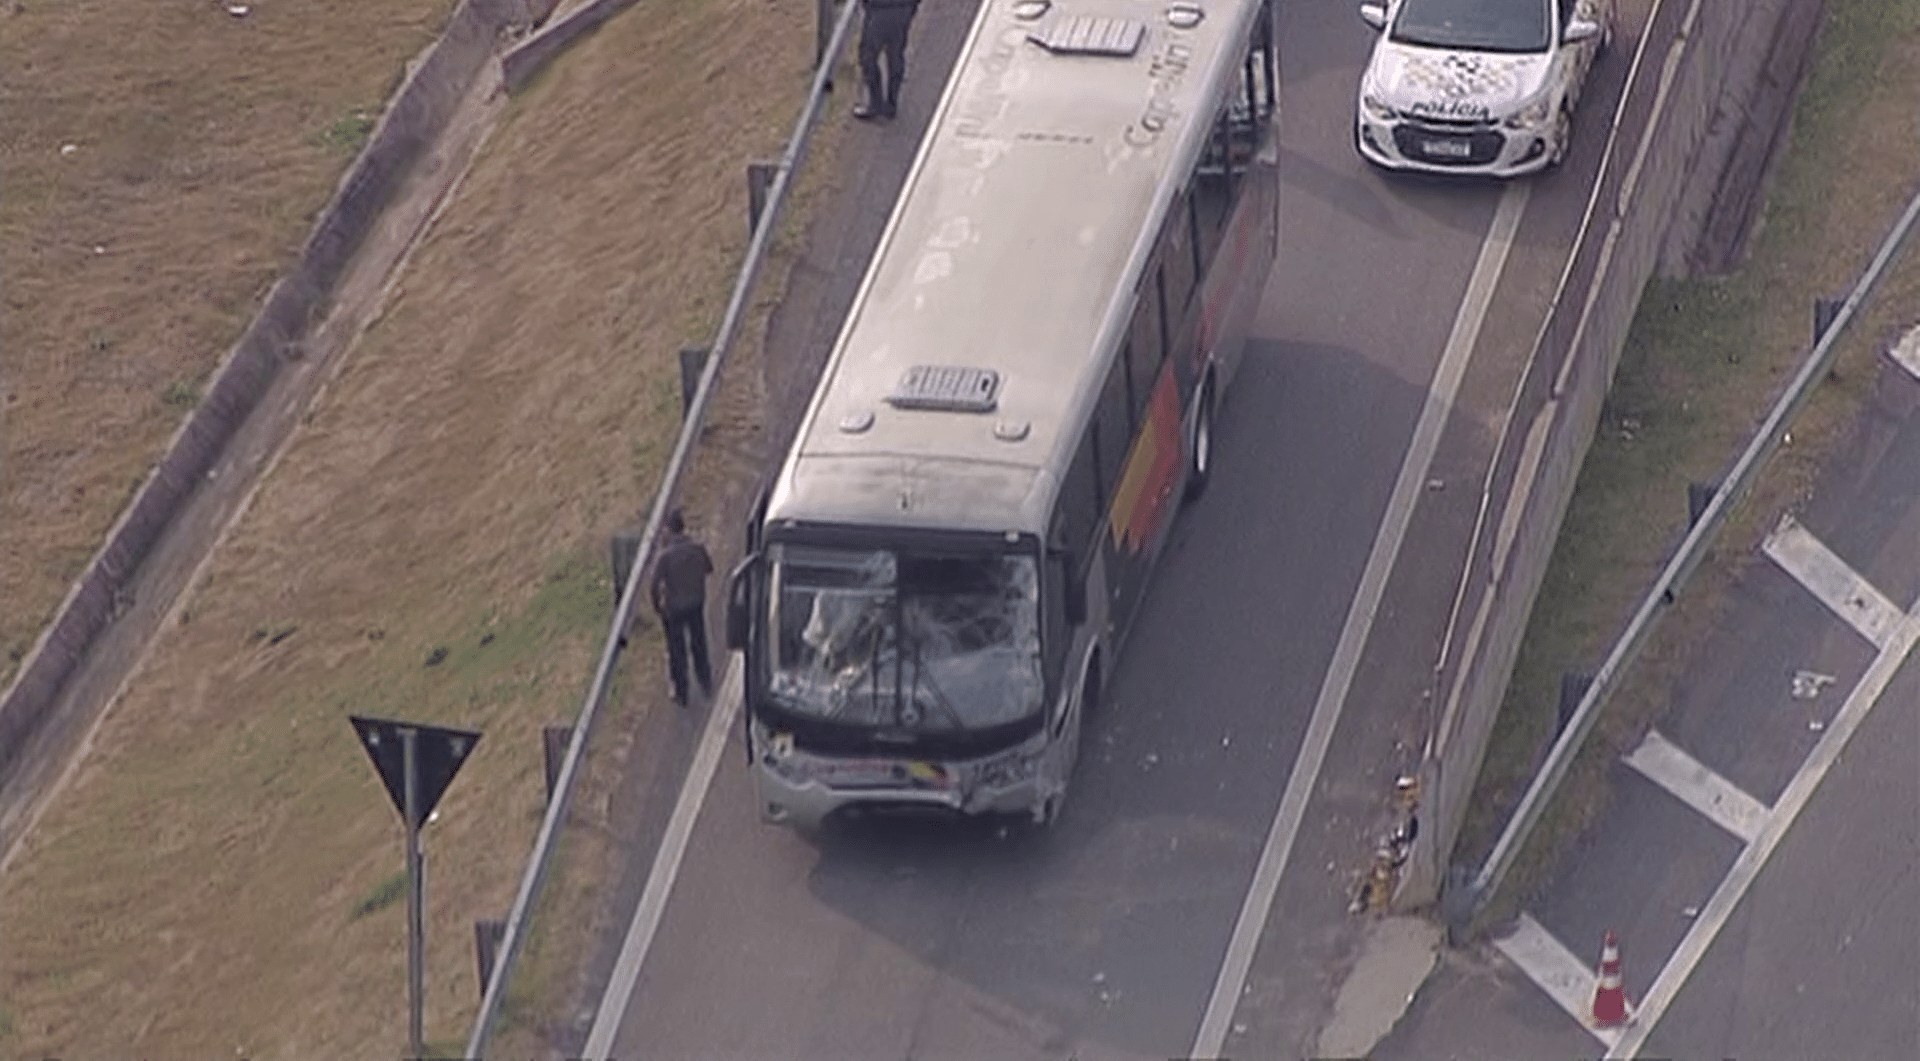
(666, 867)
(1407, 490)
(1662, 762)
(1906, 352)
(1713, 917)
(1558, 972)
(1829, 578)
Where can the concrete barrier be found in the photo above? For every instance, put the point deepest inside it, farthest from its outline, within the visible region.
(435, 84)
(1680, 123)
(531, 56)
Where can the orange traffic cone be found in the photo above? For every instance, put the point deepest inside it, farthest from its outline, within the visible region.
(1609, 998)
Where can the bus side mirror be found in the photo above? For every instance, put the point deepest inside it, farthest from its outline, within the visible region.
(1374, 15)
(757, 519)
(740, 602)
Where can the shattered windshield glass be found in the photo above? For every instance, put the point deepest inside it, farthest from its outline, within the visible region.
(926, 642)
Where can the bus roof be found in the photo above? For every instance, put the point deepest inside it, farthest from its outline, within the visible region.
(1011, 257)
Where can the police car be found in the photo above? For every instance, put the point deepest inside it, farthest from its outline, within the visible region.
(1476, 86)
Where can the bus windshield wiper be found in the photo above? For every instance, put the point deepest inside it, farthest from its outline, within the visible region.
(940, 701)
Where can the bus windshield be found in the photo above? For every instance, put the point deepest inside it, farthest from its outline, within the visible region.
(896, 639)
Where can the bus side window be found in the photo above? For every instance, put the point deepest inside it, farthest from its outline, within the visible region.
(1179, 271)
(1146, 347)
(1078, 510)
(1212, 195)
(1144, 354)
(1113, 430)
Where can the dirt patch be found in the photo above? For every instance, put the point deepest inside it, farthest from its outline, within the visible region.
(1704, 362)
(431, 546)
(147, 210)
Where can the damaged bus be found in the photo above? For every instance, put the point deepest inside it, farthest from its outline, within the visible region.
(939, 576)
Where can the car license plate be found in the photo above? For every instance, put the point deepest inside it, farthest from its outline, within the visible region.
(1446, 148)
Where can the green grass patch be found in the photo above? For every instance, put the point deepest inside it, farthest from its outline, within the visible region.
(347, 134)
(181, 394)
(1703, 363)
(384, 894)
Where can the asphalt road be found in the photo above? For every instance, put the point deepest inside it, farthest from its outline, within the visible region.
(1104, 937)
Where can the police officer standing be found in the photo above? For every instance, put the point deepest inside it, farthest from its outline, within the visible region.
(883, 32)
(679, 592)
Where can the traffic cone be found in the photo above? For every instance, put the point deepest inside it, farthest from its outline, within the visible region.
(1609, 998)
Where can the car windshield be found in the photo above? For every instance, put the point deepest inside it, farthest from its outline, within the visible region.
(922, 642)
(1476, 25)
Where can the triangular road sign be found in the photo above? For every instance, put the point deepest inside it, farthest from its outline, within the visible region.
(438, 754)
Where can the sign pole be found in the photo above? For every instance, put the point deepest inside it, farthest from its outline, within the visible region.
(415, 763)
(416, 928)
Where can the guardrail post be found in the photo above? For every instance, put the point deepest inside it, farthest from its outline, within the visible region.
(759, 181)
(1825, 312)
(823, 35)
(554, 741)
(486, 945)
(1573, 686)
(1698, 497)
(693, 362)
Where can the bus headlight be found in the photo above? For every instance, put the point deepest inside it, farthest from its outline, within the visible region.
(1009, 769)
(1377, 108)
(1530, 116)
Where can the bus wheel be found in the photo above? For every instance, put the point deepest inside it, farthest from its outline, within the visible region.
(1200, 461)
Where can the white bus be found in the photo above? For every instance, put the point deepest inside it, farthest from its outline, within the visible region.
(940, 575)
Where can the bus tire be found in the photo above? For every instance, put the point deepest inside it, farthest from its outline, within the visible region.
(1200, 446)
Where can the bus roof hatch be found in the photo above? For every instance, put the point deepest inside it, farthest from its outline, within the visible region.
(1091, 35)
(948, 387)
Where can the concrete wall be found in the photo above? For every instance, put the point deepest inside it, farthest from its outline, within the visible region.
(434, 86)
(1682, 122)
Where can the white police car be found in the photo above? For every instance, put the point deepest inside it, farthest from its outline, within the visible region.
(1476, 86)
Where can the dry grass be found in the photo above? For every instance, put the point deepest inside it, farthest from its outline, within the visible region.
(195, 889)
(162, 163)
(1705, 360)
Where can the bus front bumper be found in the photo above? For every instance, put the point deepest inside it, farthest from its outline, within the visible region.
(1008, 782)
(807, 805)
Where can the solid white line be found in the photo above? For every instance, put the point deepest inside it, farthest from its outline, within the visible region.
(1713, 917)
(1662, 762)
(1906, 352)
(1557, 971)
(666, 867)
(1407, 490)
(1829, 578)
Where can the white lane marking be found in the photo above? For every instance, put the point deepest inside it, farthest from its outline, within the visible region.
(1663, 763)
(1829, 578)
(1713, 917)
(666, 867)
(1558, 972)
(1407, 490)
(1906, 352)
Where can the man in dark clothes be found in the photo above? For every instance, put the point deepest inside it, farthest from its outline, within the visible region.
(883, 31)
(679, 592)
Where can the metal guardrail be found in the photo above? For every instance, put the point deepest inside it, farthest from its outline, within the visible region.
(539, 862)
(1738, 482)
